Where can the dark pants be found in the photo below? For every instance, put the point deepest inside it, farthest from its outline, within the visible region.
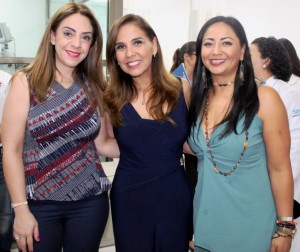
(5, 213)
(191, 163)
(75, 226)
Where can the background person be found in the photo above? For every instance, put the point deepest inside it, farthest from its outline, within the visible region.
(5, 209)
(274, 65)
(184, 61)
(295, 62)
(294, 82)
(51, 119)
(242, 143)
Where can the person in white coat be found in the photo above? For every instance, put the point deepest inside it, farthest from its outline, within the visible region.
(294, 84)
(273, 67)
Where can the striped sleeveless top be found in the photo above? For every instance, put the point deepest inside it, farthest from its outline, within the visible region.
(60, 157)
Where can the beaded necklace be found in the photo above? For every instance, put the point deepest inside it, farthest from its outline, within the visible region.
(245, 145)
(223, 84)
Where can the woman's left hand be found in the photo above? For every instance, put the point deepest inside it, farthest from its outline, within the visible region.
(281, 244)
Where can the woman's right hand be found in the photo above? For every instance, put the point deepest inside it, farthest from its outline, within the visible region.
(25, 228)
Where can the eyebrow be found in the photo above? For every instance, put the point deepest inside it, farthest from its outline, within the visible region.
(72, 29)
(133, 40)
(221, 38)
(137, 38)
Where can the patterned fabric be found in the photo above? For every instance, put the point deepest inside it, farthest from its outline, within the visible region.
(60, 157)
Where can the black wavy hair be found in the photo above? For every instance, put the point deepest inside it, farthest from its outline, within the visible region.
(280, 64)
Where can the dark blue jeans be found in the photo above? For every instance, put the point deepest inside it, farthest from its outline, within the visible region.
(75, 226)
(5, 213)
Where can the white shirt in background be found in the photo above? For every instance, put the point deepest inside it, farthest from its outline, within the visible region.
(4, 81)
(290, 95)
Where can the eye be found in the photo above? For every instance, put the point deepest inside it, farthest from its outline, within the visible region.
(119, 47)
(67, 34)
(207, 44)
(138, 42)
(87, 38)
(227, 43)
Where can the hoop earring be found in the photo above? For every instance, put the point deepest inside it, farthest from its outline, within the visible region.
(241, 73)
(204, 78)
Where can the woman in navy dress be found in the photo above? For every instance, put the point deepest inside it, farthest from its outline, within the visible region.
(150, 198)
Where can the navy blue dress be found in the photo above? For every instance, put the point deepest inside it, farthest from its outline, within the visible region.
(150, 197)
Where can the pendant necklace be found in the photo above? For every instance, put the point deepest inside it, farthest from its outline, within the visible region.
(245, 144)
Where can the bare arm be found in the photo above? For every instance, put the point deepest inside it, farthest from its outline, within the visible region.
(186, 91)
(277, 140)
(187, 95)
(106, 143)
(13, 131)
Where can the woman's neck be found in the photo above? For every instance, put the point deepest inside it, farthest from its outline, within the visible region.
(65, 80)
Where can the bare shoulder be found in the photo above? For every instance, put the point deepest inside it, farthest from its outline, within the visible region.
(18, 92)
(269, 101)
(20, 79)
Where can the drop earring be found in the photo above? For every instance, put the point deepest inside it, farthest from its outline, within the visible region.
(241, 73)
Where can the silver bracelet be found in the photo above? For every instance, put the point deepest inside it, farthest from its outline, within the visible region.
(285, 218)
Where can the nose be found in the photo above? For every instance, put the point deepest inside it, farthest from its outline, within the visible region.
(76, 42)
(217, 49)
(130, 52)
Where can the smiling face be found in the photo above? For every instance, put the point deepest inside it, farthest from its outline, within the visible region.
(221, 52)
(72, 41)
(134, 51)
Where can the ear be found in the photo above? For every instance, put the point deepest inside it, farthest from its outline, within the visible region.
(52, 37)
(154, 47)
(267, 61)
(243, 49)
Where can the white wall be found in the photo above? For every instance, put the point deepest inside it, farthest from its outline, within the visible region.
(168, 18)
(278, 18)
(174, 21)
(178, 21)
(26, 21)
